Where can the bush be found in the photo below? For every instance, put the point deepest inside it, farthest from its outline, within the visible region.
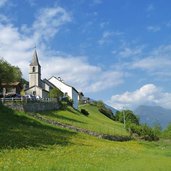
(143, 131)
(63, 105)
(107, 112)
(68, 100)
(84, 112)
(167, 132)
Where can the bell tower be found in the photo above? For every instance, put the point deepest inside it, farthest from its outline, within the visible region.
(34, 71)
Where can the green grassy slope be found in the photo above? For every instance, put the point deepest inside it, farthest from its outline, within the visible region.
(95, 121)
(17, 130)
(27, 144)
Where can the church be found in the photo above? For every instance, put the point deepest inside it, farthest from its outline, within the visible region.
(41, 88)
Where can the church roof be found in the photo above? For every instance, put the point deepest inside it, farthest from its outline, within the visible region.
(35, 61)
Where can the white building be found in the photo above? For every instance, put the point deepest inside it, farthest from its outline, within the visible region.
(66, 89)
(41, 88)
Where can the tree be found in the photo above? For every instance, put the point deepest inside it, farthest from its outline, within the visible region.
(100, 104)
(166, 133)
(104, 110)
(55, 93)
(9, 73)
(130, 117)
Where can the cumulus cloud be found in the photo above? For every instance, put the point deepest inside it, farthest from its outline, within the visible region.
(148, 94)
(78, 72)
(17, 46)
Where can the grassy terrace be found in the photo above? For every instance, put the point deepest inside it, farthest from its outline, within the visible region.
(27, 144)
(95, 121)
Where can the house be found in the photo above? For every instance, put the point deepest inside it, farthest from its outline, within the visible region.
(66, 89)
(11, 89)
(37, 87)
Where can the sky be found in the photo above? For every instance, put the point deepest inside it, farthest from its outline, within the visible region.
(118, 51)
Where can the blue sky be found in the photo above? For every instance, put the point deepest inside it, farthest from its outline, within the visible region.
(118, 51)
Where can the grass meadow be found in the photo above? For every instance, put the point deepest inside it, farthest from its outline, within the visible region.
(28, 144)
(95, 121)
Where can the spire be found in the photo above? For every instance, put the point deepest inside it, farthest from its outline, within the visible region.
(35, 61)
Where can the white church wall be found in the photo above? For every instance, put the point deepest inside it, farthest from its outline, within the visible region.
(34, 89)
(66, 89)
(61, 86)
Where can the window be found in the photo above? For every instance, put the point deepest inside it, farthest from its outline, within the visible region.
(34, 93)
(34, 69)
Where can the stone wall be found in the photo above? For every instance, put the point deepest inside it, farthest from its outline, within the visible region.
(33, 106)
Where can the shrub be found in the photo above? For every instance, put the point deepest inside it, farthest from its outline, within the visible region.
(63, 105)
(166, 133)
(143, 131)
(68, 100)
(84, 112)
(55, 93)
(107, 112)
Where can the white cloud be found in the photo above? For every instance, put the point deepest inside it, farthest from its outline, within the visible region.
(106, 37)
(153, 28)
(152, 63)
(157, 61)
(49, 21)
(130, 52)
(104, 24)
(17, 46)
(148, 94)
(78, 72)
(3, 2)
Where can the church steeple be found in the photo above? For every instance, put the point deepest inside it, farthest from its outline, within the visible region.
(35, 71)
(35, 61)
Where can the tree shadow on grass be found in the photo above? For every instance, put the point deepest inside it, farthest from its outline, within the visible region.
(20, 131)
(74, 111)
(55, 115)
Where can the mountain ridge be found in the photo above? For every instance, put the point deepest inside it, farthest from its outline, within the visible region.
(152, 115)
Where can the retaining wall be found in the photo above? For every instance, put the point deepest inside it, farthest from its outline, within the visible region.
(33, 106)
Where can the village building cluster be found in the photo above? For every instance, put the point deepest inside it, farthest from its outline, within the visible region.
(41, 88)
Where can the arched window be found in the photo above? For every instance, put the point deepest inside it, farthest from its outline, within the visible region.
(34, 69)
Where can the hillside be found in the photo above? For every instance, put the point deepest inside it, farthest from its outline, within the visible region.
(95, 121)
(154, 114)
(29, 144)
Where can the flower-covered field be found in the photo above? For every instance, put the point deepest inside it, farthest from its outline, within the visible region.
(28, 144)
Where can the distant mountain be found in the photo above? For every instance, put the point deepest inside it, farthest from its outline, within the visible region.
(154, 114)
